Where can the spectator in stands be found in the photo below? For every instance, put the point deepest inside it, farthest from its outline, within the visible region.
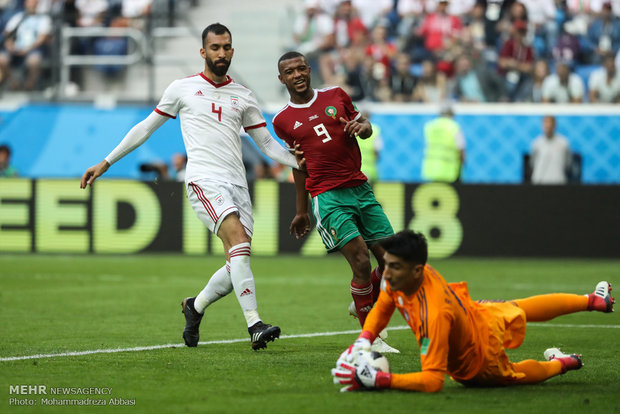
(349, 30)
(26, 38)
(8, 8)
(6, 169)
(603, 35)
(476, 82)
(516, 62)
(135, 12)
(431, 86)
(578, 15)
(533, 89)
(350, 39)
(550, 157)
(564, 86)
(91, 13)
(444, 153)
(474, 35)
(377, 83)
(505, 27)
(313, 33)
(567, 46)
(410, 14)
(382, 51)
(440, 31)
(495, 12)
(596, 6)
(542, 16)
(358, 81)
(402, 82)
(604, 83)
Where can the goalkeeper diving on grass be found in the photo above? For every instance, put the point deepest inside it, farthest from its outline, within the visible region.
(457, 336)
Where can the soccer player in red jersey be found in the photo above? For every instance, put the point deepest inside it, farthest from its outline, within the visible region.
(325, 125)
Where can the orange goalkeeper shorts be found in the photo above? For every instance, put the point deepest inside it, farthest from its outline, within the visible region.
(506, 330)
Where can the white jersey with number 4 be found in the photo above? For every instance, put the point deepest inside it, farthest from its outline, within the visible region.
(212, 115)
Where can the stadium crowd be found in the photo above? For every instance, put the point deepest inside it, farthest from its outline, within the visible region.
(29, 36)
(464, 50)
(379, 50)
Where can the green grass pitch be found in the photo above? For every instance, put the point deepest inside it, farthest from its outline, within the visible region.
(58, 304)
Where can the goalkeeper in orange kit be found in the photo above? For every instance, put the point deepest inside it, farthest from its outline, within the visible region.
(458, 336)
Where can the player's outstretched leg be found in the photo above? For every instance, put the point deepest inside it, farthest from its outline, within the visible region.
(569, 361)
(192, 322)
(557, 362)
(546, 307)
(261, 333)
(600, 300)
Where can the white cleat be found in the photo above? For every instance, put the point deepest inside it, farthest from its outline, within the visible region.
(553, 353)
(383, 334)
(380, 346)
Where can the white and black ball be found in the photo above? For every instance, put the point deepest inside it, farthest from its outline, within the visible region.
(374, 359)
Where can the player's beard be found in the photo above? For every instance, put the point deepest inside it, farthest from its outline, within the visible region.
(218, 70)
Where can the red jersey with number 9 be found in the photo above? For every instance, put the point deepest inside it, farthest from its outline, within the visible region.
(333, 158)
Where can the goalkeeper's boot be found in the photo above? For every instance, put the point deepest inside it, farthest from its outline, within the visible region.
(261, 333)
(569, 361)
(192, 322)
(379, 345)
(600, 300)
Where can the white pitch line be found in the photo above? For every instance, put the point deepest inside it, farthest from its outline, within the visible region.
(232, 341)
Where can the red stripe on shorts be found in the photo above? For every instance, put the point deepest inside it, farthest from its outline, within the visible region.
(206, 204)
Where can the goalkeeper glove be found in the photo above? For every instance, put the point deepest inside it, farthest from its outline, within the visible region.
(364, 376)
(361, 344)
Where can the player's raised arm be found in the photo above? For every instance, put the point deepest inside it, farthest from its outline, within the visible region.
(134, 138)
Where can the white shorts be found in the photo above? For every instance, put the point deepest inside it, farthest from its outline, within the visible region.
(214, 200)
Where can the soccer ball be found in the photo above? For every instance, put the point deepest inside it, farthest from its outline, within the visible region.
(374, 359)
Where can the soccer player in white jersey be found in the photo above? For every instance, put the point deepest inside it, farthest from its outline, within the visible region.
(213, 109)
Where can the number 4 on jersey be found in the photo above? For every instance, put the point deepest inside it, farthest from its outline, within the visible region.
(217, 111)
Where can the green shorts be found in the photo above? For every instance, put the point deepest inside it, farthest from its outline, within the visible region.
(345, 213)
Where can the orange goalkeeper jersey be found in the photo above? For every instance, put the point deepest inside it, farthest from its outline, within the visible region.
(450, 331)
